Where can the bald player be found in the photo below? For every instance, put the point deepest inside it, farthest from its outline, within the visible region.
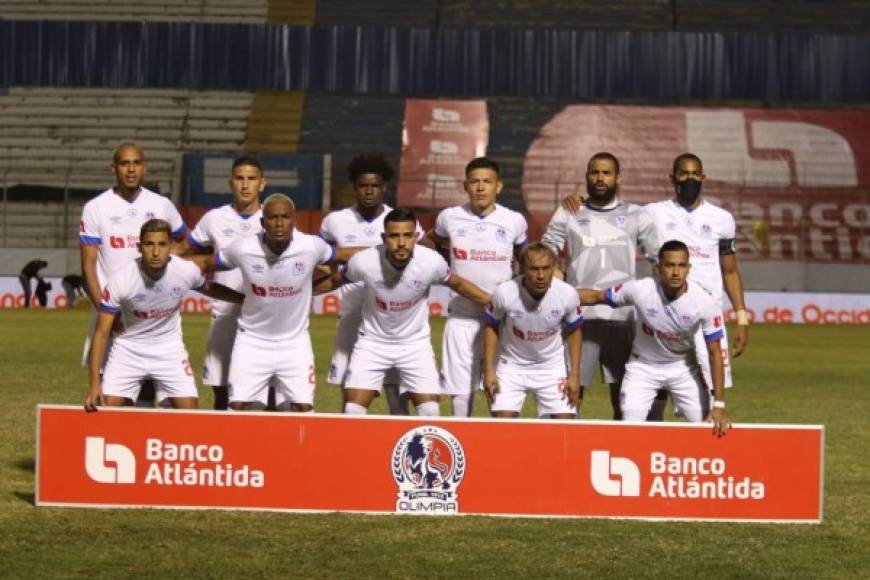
(109, 230)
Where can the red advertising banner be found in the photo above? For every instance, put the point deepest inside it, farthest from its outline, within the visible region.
(797, 181)
(439, 138)
(174, 459)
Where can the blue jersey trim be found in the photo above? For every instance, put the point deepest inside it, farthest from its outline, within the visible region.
(714, 337)
(331, 257)
(180, 232)
(574, 325)
(89, 240)
(196, 244)
(490, 319)
(219, 264)
(608, 297)
(110, 309)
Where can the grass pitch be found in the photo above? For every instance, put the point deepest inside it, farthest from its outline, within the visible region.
(794, 374)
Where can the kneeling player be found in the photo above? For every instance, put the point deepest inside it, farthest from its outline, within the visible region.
(147, 294)
(395, 316)
(670, 311)
(525, 324)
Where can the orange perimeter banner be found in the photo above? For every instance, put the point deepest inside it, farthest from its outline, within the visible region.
(265, 461)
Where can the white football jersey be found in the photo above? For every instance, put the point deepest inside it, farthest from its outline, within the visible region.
(602, 245)
(481, 249)
(150, 309)
(530, 331)
(113, 223)
(346, 228)
(666, 329)
(395, 306)
(277, 288)
(218, 229)
(701, 229)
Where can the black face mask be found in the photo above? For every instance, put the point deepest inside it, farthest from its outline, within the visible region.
(601, 198)
(688, 191)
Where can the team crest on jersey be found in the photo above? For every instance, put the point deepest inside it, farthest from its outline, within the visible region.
(428, 464)
(621, 220)
(132, 212)
(298, 267)
(415, 284)
(501, 234)
(554, 314)
(177, 291)
(687, 318)
(149, 215)
(115, 220)
(706, 229)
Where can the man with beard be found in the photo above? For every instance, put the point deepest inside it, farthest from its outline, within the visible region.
(601, 240)
(360, 225)
(709, 232)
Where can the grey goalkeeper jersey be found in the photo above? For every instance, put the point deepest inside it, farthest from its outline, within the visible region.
(602, 247)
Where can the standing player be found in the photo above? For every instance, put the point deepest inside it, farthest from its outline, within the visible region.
(217, 229)
(670, 311)
(483, 237)
(395, 316)
(601, 239)
(146, 295)
(273, 341)
(709, 232)
(360, 225)
(109, 230)
(529, 322)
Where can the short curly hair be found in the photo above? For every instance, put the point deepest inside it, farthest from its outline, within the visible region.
(370, 163)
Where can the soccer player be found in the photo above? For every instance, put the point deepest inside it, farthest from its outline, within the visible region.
(109, 231)
(529, 322)
(144, 299)
(217, 229)
(360, 225)
(709, 232)
(483, 238)
(601, 240)
(395, 316)
(670, 311)
(272, 342)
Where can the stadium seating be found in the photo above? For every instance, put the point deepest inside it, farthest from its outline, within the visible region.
(227, 11)
(40, 225)
(62, 137)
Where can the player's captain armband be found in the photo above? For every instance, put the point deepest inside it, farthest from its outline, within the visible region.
(727, 247)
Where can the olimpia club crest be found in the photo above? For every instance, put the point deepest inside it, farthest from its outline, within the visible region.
(428, 465)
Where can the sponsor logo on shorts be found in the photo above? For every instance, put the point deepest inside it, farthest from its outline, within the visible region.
(670, 477)
(428, 464)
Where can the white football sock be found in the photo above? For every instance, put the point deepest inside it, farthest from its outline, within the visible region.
(428, 409)
(461, 405)
(354, 409)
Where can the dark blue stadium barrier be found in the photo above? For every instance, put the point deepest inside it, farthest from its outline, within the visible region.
(206, 179)
(653, 66)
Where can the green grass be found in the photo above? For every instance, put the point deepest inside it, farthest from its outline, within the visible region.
(796, 374)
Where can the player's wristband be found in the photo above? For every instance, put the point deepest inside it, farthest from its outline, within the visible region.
(718, 404)
(742, 318)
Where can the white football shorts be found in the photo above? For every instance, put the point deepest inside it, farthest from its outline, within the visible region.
(461, 356)
(169, 366)
(288, 365)
(414, 362)
(219, 350)
(686, 384)
(547, 387)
